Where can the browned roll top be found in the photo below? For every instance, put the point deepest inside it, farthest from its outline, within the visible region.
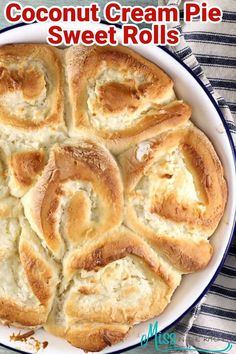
(87, 178)
(176, 194)
(119, 96)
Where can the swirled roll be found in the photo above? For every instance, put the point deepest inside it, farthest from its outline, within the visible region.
(119, 96)
(109, 285)
(175, 194)
(79, 195)
(31, 91)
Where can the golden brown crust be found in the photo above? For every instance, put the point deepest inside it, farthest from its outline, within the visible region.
(158, 279)
(37, 71)
(185, 254)
(26, 165)
(94, 340)
(39, 274)
(200, 215)
(20, 315)
(116, 245)
(124, 281)
(30, 82)
(129, 89)
(91, 337)
(86, 163)
(207, 170)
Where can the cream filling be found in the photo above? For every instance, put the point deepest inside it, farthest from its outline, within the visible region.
(34, 110)
(179, 182)
(126, 118)
(120, 284)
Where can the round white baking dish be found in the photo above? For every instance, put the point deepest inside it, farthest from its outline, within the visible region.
(207, 116)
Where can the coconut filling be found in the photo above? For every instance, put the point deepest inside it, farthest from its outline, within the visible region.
(168, 176)
(113, 293)
(128, 115)
(26, 103)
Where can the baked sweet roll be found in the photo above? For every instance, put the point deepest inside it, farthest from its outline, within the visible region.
(78, 196)
(92, 244)
(28, 275)
(119, 96)
(175, 195)
(109, 285)
(31, 92)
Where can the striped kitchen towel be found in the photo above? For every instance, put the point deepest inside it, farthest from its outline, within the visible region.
(210, 51)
